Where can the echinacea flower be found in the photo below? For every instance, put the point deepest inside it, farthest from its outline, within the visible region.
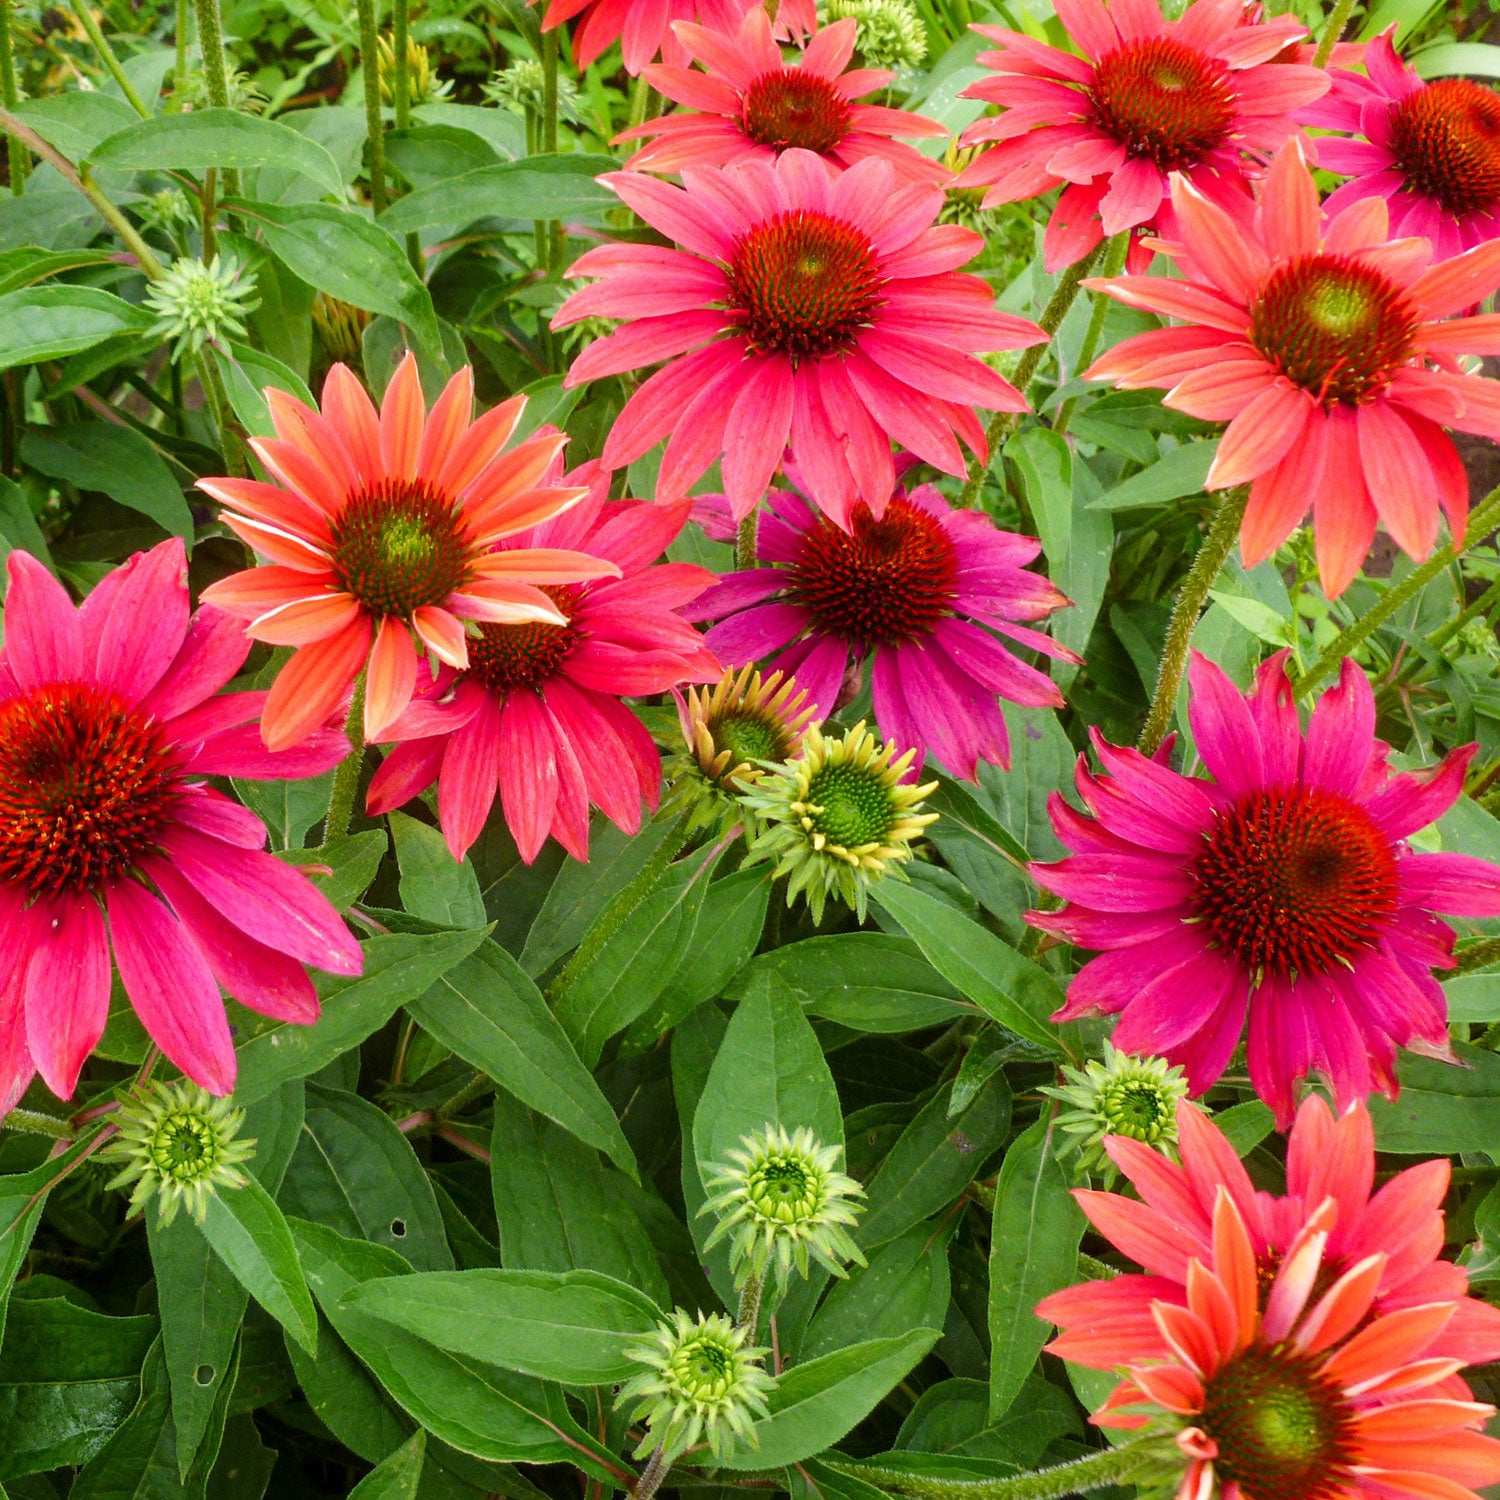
(537, 714)
(730, 732)
(1399, 1225)
(702, 1381)
(179, 1145)
(642, 27)
(838, 818)
(804, 304)
(1134, 1097)
(1199, 96)
(1277, 1381)
(110, 840)
(925, 594)
(380, 528)
(748, 104)
(1430, 149)
(1331, 353)
(1283, 888)
(782, 1202)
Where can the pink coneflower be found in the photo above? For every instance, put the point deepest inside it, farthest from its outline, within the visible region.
(1327, 1157)
(1431, 150)
(379, 530)
(1284, 1380)
(110, 839)
(749, 105)
(804, 303)
(1283, 887)
(538, 714)
(1331, 353)
(921, 594)
(642, 27)
(1149, 97)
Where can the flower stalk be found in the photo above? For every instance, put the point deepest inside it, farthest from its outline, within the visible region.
(1338, 18)
(1114, 263)
(346, 776)
(369, 53)
(215, 76)
(1212, 555)
(108, 57)
(10, 96)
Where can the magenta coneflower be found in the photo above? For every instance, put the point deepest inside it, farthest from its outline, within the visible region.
(804, 304)
(1148, 97)
(110, 840)
(1332, 353)
(748, 104)
(1284, 888)
(922, 594)
(1431, 150)
(538, 714)
(642, 27)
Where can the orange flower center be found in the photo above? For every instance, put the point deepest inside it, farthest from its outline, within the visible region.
(1283, 1431)
(504, 657)
(1294, 880)
(398, 546)
(1163, 101)
(1446, 141)
(792, 108)
(86, 788)
(880, 583)
(804, 284)
(1333, 326)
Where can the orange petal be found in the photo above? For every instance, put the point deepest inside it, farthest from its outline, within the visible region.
(348, 407)
(391, 677)
(303, 621)
(311, 687)
(442, 635)
(279, 546)
(256, 590)
(521, 512)
(543, 565)
(485, 437)
(1234, 1263)
(270, 503)
(299, 470)
(446, 423)
(520, 469)
(307, 429)
(505, 604)
(401, 419)
(1343, 1306)
(1389, 1343)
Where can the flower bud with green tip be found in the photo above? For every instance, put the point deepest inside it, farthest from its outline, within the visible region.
(521, 88)
(890, 35)
(198, 303)
(178, 1145)
(838, 818)
(700, 1382)
(782, 1201)
(1123, 1095)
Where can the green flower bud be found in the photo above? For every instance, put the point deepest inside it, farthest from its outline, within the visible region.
(197, 303)
(1131, 1096)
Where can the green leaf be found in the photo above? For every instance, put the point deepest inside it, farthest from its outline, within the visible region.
(117, 461)
(68, 1377)
(398, 1476)
(814, 1404)
(75, 121)
(487, 1011)
(932, 1161)
(1033, 1251)
(537, 187)
(491, 1413)
(247, 372)
(1009, 988)
(571, 1326)
(206, 138)
(953, 1417)
(249, 1234)
(1453, 59)
(434, 885)
(1179, 472)
(341, 252)
(48, 322)
(1442, 1110)
(398, 968)
(355, 1172)
(353, 861)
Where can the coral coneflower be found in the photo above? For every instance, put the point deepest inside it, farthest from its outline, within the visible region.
(1283, 888)
(749, 104)
(1332, 355)
(1431, 150)
(537, 715)
(1281, 1380)
(111, 841)
(804, 303)
(642, 27)
(1399, 1224)
(1200, 95)
(925, 594)
(379, 530)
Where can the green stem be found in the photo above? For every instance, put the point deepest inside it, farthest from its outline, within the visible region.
(749, 1310)
(34, 1122)
(1337, 20)
(746, 541)
(1095, 1471)
(401, 100)
(640, 91)
(10, 96)
(1481, 521)
(1095, 1270)
(652, 1475)
(1212, 554)
(1475, 956)
(1064, 294)
(217, 400)
(1440, 637)
(215, 71)
(554, 234)
(180, 58)
(107, 56)
(346, 777)
(369, 52)
(1114, 263)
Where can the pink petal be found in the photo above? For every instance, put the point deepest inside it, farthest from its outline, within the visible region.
(67, 988)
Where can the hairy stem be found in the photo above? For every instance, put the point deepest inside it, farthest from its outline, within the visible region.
(10, 96)
(369, 53)
(748, 1314)
(1114, 263)
(346, 777)
(180, 53)
(401, 100)
(108, 57)
(746, 540)
(217, 401)
(652, 1475)
(1338, 18)
(34, 1122)
(1485, 516)
(215, 71)
(1212, 553)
